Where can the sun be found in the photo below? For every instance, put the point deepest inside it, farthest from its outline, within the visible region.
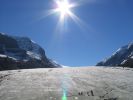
(63, 8)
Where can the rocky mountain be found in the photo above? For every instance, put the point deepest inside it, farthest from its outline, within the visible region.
(122, 57)
(21, 52)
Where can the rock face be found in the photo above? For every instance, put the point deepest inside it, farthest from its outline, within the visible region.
(21, 52)
(122, 57)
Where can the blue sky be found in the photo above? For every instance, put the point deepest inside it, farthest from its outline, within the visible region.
(107, 25)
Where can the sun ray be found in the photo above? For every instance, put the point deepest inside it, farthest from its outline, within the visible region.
(63, 8)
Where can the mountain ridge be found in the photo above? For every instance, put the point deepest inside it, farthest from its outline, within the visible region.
(22, 52)
(122, 57)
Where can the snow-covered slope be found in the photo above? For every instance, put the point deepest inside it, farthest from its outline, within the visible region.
(84, 83)
(122, 57)
(23, 50)
(32, 49)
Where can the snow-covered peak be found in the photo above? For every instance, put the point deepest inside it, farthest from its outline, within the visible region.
(33, 49)
(130, 45)
(121, 50)
(23, 52)
(2, 33)
(122, 56)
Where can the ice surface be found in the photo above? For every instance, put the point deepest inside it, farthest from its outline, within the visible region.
(87, 83)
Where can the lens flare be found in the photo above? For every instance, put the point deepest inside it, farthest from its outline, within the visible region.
(64, 97)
